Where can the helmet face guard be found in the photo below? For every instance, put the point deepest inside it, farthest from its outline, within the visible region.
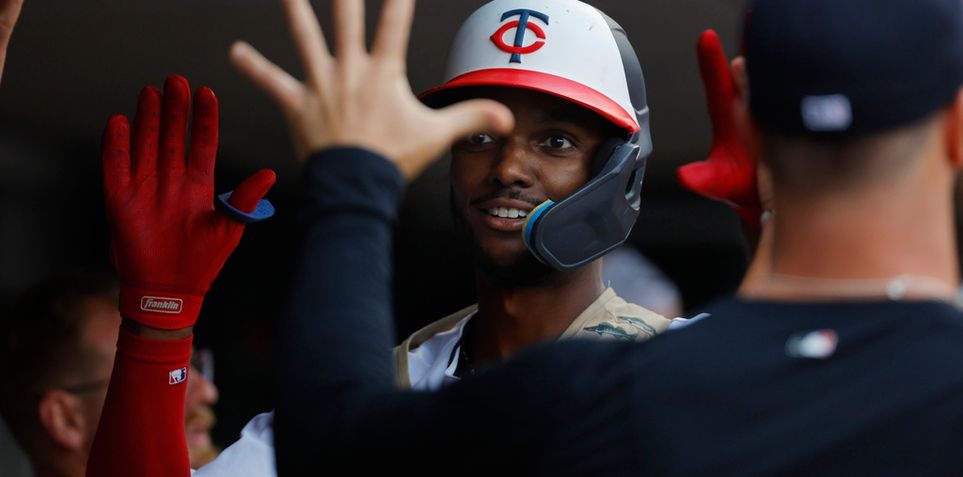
(573, 51)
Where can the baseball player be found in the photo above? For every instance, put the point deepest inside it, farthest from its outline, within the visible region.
(542, 205)
(9, 13)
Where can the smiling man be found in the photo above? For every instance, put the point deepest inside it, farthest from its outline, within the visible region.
(542, 205)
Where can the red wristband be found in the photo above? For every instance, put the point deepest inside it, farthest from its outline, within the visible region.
(160, 309)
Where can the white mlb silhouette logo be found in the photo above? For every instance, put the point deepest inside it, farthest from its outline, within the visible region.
(177, 376)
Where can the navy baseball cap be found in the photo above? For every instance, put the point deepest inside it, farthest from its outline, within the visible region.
(848, 68)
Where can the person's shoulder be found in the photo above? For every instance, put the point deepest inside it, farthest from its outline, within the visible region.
(610, 316)
(442, 325)
(680, 322)
(252, 454)
(943, 320)
(723, 306)
(563, 360)
(618, 306)
(427, 351)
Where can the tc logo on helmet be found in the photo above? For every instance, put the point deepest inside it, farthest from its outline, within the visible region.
(522, 25)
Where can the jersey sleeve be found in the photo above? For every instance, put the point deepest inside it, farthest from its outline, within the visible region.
(336, 336)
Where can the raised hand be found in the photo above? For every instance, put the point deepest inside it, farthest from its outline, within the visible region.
(168, 240)
(9, 12)
(728, 173)
(360, 98)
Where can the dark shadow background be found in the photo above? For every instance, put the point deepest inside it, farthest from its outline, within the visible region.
(73, 64)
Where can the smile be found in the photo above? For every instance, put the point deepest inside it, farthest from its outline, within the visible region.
(506, 212)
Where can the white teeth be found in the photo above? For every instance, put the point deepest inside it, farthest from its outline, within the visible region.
(505, 212)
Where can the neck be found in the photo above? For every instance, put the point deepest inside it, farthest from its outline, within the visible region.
(862, 246)
(900, 287)
(510, 319)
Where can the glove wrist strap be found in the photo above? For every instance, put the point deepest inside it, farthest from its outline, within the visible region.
(160, 309)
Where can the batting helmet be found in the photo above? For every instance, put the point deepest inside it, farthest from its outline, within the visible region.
(568, 49)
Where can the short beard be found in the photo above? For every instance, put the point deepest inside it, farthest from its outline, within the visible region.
(526, 272)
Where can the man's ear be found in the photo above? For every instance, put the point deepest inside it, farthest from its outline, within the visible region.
(953, 132)
(61, 414)
(748, 131)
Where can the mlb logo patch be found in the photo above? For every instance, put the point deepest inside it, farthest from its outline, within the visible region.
(818, 344)
(831, 112)
(177, 376)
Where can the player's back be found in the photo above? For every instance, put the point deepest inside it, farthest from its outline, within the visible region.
(758, 388)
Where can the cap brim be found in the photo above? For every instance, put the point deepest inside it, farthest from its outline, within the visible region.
(536, 81)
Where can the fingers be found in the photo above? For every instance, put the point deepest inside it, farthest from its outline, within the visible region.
(723, 176)
(448, 125)
(204, 132)
(278, 84)
(699, 177)
(738, 66)
(246, 196)
(115, 155)
(394, 29)
(173, 133)
(465, 117)
(308, 38)
(717, 80)
(9, 12)
(146, 133)
(349, 28)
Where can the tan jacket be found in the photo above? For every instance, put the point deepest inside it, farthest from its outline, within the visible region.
(608, 317)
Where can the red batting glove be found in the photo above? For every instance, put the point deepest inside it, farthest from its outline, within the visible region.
(168, 241)
(728, 174)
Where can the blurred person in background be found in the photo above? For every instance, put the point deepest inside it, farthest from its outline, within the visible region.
(199, 418)
(58, 349)
(59, 343)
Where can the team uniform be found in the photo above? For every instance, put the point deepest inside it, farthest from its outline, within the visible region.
(430, 357)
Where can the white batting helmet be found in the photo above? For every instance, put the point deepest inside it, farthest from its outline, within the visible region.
(568, 49)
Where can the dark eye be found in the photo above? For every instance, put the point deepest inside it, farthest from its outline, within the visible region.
(558, 143)
(478, 138)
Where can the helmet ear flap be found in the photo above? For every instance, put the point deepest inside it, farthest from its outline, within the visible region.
(595, 218)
